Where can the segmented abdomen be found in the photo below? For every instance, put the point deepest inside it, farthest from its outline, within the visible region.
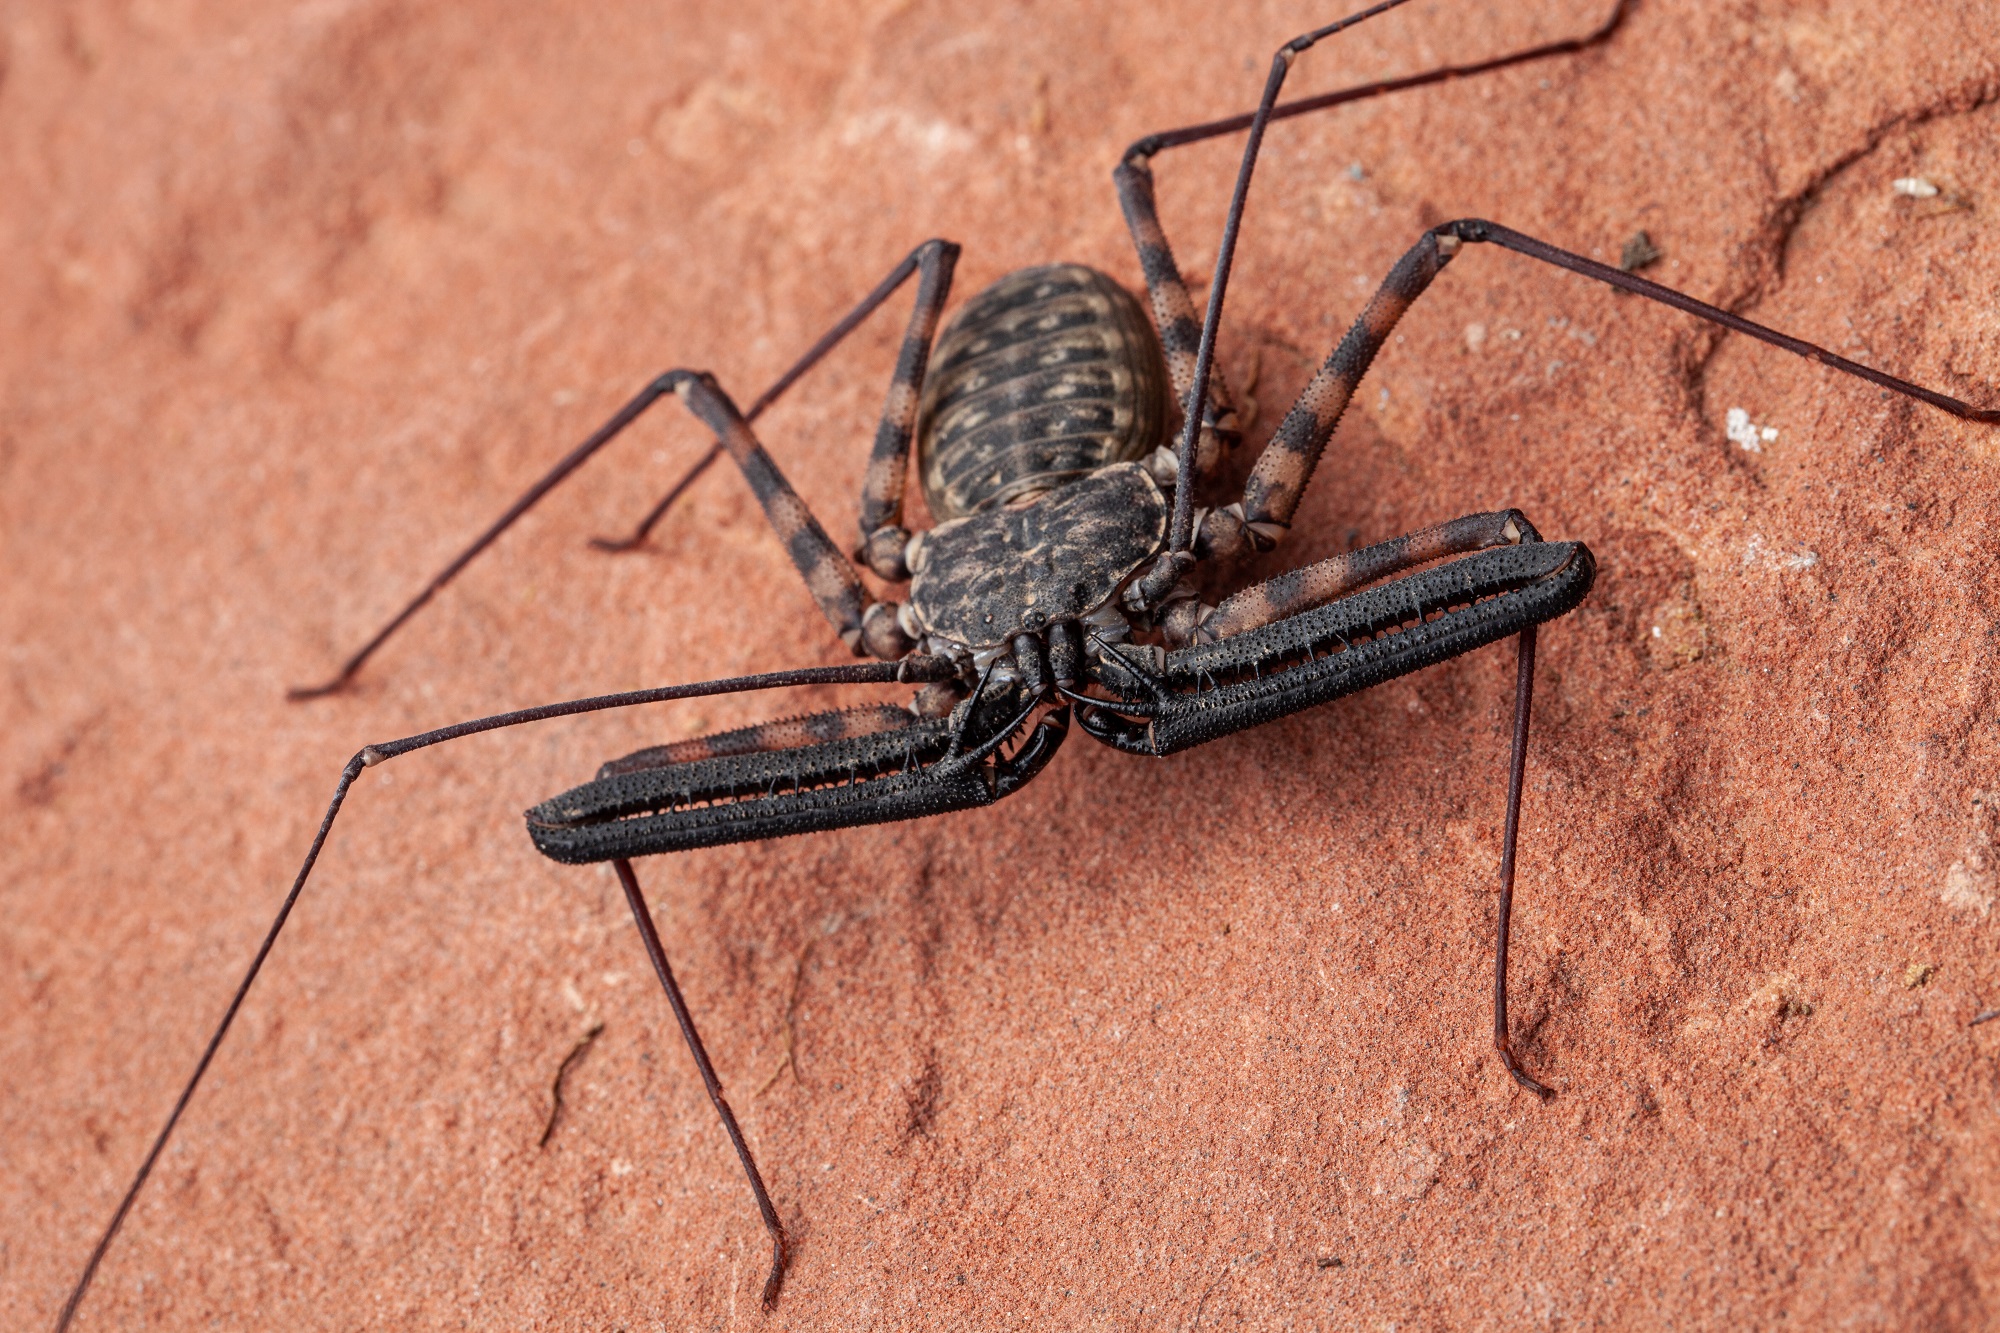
(1048, 374)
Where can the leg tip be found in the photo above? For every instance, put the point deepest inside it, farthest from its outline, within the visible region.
(1522, 1077)
(776, 1279)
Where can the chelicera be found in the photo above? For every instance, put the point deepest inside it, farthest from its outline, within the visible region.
(1070, 443)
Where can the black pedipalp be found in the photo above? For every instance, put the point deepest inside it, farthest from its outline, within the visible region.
(906, 773)
(1362, 640)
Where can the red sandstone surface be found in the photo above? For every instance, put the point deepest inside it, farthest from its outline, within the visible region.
(295, 298)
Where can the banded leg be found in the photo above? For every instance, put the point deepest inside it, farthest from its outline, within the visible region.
(1173, 315)
(650, 935)
(1517, 767)
(883, 535)
(1276, 484)
(1226, 534)
(1300, 590)
(1173, 308)
(1274, 492)
(864, 624)
(933, 257)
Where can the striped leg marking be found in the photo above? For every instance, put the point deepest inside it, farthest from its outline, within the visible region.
(1173, 314)
(883, 535)
(1299, 590)
(865, 625)
(1278, 482)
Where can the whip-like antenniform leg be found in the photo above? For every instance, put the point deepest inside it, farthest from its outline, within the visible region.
(915, 669)
(1296, 640)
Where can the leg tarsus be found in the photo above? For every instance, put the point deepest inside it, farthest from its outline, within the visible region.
(1524, 690)
(780, 1253)
(1278, 481)
(1477, 230)
(1522, 1076)
(618, 546)
(569, 463)
(97, 1253)
(910, 670)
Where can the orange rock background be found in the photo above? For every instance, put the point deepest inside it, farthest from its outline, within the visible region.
(295, 299)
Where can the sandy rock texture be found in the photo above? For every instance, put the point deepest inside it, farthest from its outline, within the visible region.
(296, 297)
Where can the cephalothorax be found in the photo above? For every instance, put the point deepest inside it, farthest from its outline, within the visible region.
(1058, 581)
